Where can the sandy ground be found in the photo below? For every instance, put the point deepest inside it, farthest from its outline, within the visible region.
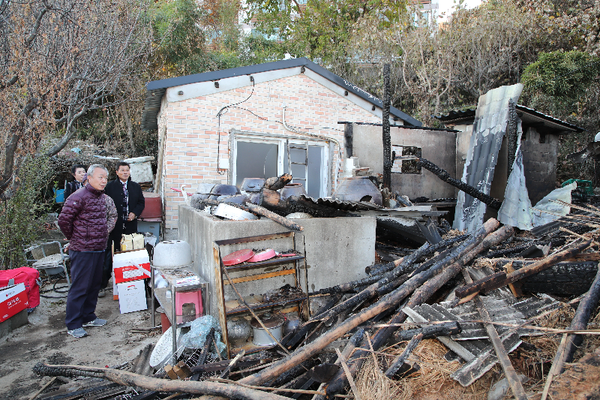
(45, 339)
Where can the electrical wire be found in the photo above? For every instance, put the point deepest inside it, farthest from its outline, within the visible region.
(224, 109)
(220, 113)
(62, 290)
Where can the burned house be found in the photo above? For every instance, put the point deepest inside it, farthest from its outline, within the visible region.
(539, 144)
(256, 121)
(261, 121)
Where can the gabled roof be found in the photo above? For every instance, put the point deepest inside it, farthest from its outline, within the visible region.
(529, 116)
(157, 89)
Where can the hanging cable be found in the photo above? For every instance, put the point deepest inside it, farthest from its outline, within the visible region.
(220, 113)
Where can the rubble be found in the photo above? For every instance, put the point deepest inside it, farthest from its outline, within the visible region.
(486, 296)
(385, 319)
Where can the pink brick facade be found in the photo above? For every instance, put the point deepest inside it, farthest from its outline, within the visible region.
(189, 130)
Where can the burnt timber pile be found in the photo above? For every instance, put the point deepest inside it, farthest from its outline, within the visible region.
(507, 307)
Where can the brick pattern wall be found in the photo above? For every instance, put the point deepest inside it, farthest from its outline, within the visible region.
(192, 127)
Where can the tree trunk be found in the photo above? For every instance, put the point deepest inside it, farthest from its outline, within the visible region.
(129, 126)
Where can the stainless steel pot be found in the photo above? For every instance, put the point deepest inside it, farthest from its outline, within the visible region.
(238, 329)
(274, 324)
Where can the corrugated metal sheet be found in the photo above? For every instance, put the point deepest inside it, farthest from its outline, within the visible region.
(489, 128)
(501, 310)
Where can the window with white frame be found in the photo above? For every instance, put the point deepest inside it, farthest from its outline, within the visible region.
(262, 156)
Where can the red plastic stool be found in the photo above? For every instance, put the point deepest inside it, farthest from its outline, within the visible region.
(184, 301)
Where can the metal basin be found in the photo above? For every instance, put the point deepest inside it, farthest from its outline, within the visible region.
(274, 324)
(172, 254)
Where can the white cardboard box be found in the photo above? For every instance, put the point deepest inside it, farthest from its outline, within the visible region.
(132, 296)
(131, 266)
(12, 301)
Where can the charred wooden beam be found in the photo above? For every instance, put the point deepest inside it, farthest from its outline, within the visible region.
(293, 373)
(501, 279)
(386, 302)
(399, 361)
(126, 378)
(570, 342)
(468, 189)
(424, 252)
(354, 341)
(273, 216)
(276, 183)
(225, 373)
(388, 162)
(429, 331)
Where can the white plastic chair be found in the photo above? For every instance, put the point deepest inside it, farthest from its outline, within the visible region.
(48, 257)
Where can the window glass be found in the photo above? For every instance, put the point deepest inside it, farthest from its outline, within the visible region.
(255, 160)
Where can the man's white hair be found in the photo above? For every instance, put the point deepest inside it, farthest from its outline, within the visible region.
(91, 169)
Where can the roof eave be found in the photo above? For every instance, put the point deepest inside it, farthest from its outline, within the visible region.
(157, 89)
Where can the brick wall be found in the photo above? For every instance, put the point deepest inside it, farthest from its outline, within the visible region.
(191, 138)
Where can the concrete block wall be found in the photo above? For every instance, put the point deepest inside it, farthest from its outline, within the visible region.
(436, 146)
(194, 135)
(540, 158)
(337, 249)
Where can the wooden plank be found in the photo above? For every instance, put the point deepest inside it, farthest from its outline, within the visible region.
(221, 297)
(272, 261)
(260, 306)
(501, 353)
(257, 277)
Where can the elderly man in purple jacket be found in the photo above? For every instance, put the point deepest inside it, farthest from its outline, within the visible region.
(86, 219)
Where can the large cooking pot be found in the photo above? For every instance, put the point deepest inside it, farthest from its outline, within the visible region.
(223, 190)
(252, 184)
(274, 324)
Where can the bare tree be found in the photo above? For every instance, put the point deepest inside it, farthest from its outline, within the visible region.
(59, 60)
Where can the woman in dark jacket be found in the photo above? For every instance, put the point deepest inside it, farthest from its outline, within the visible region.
(78, 172)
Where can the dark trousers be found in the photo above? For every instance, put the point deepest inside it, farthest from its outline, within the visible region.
(86, 276)
(108, 259)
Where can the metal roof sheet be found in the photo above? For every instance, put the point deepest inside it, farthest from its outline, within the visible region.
(527, 115)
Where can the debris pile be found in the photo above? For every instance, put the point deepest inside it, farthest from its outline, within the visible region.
(447, 319)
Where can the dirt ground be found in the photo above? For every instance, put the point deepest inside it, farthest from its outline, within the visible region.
(45, 339)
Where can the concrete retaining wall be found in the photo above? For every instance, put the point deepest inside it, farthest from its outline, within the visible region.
(337, 249)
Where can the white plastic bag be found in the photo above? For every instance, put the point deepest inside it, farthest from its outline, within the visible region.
(547, 210)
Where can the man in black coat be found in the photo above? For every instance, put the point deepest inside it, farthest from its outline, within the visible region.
(130, 202)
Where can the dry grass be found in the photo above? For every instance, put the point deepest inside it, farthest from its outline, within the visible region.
(432, 381)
